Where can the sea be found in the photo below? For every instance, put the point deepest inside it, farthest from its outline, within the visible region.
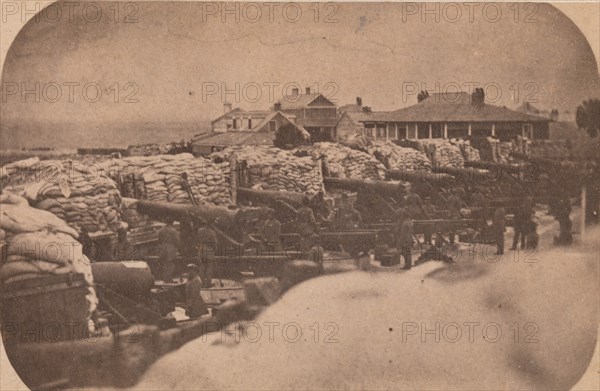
(68, 135)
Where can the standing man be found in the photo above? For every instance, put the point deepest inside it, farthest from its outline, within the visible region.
(124, 251)
(429, 211)
(523, 215)
(498, 228)
(454, 205)
(414, 205)
(404, 230)
(349, 217)
(207, 248)
(562, 214)
(196, 306)
(168, 241)
(271, 232)
(306, 224)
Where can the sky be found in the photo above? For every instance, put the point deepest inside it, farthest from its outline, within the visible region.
(174, 61)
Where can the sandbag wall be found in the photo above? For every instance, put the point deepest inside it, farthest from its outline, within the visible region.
(443, 153)
(36, 243)
(395, 157)
(79, 193)
(271, 168)
(159, 178)
(344, 162)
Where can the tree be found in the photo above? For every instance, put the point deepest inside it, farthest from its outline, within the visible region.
(588, 116)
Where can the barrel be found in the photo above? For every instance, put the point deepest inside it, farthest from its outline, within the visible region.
(128, 278)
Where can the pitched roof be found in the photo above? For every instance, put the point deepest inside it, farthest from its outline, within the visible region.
(363, 115)
(351, 108)
(247, 137)
(446, 108)
(298, 101)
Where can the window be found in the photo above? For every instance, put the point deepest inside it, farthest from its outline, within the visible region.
(423, 130)
(437, 130)
(235, 123)
(272, 126)
(249, 123)
(381, 131)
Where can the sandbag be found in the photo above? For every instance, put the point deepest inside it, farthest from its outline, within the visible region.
(19, 218)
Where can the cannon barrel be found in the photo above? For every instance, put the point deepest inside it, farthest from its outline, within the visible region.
(219, 215)
(381, 187)
(269, 196)
(513, 169)
(132, 279)
(438, 179)
(467, 174)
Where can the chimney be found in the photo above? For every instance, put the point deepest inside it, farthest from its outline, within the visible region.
(307, 90)
(295, 91)
(227, 107)
(478, 96)
(277, 106)
(359, 101)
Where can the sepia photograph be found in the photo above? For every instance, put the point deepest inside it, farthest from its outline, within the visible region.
(226, 195)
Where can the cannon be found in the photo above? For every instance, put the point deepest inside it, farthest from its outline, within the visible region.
(128, 294)
(375, 200)
(238, 231)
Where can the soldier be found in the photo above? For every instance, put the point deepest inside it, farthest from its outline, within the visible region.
(124, 250)
(429, 211)
(271, 232)
(347, 216)
(523, 215)
(404, 230)
(207, 247)
(498, 228)
(168, 241)
(454, 204)
(562, 213)
(414, 205)
(196, 306)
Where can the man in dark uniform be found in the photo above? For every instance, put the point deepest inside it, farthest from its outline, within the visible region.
(404, 230)
(168, 241)
(124, 251)
(429, 211)
(523, 215)
(271, 232)
(196, 306)
(348, 216)
(414, 205)
(207, 248)
(454, 205)
(562, 213)
(306, 225)
(499, 227)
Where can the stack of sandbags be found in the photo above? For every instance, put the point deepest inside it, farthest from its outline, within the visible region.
(395, 157)
(271, 168)
(443, 153)
(500, 150)
(38, 243)
(344, 162)
(469, 153)
(163, 181)
(77, 192)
